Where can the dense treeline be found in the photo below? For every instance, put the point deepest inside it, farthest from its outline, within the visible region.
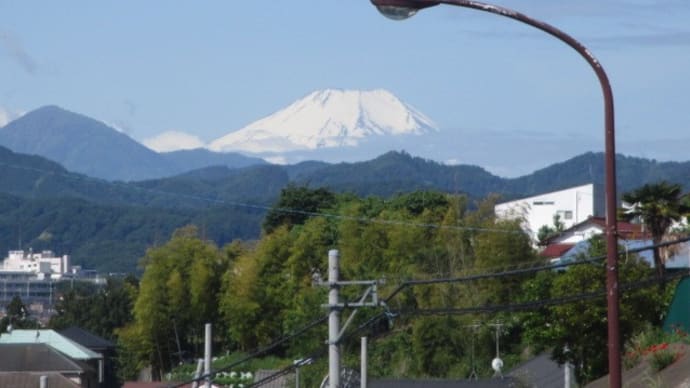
(111, 238)
(227, 203)
(255, 293)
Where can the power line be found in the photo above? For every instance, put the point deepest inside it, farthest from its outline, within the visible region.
(257, 352)
(516, 307)
(533, 305)
(266, 207)
(524, 271)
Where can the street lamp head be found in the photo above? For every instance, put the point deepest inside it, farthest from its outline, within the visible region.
(401, 9)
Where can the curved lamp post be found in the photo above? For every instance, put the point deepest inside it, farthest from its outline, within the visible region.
(403, 9)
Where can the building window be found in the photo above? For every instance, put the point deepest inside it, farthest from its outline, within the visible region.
(568, 215)
(542, 203)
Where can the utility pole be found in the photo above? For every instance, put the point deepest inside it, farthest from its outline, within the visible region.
(363, 364)
(207, 354)
(333, 320)
(334, 306)
(474, 326)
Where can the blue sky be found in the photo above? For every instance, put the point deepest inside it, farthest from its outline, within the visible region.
(505, 96)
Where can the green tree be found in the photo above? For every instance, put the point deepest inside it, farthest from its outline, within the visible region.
(100, 311)
(296, 204)
(658, 205)
(17, 315)
(576, 332)
(547, 231)
(178, 293)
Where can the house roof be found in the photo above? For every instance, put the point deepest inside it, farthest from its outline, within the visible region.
(626, 230)
(35, 358)
(278, 382)
(86, 338)
(541, 371)
(553, 251)
(51, 338)
(33, 380)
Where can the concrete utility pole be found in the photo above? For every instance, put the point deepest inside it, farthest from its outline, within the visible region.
(363, 364)
(207, 355)
(335, 332)
(333, 320)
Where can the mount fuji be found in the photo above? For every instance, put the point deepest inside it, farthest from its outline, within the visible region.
(328, 118)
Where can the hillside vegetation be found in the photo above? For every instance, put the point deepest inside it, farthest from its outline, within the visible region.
(108, 225)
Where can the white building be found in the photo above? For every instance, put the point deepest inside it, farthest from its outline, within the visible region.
(40, 264)
(573, 205)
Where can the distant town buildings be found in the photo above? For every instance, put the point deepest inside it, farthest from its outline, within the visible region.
(43, 264)
(33, 277)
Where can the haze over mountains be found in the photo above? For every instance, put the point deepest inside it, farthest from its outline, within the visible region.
(88, 146)
(72, 205)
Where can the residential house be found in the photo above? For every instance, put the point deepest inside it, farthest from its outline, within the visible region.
(99, 345)
(21, 363)
(568, 244)
(69, 348)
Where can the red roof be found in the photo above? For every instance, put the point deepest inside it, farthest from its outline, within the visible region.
(555, 250)
(626, 230)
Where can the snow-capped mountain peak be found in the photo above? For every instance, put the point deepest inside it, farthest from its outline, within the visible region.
(327, 118)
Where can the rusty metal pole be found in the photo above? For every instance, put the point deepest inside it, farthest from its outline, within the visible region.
(401, 9)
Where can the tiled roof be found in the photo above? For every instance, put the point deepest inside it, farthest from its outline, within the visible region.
(35, 358)
(86, 338)
(540, 371)
(278, 382)
(553, 251)
(51, 338)
(32, 380)
(626, 230)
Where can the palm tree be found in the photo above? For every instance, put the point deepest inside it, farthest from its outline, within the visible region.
(658, 205)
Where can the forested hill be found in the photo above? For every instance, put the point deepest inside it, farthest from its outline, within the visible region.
(108, 225)
(111, 238)
(397, 172)
(632, 172)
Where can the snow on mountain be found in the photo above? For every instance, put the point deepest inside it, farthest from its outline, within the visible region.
(328, 118)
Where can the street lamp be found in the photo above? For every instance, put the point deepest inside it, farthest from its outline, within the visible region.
(403, 9)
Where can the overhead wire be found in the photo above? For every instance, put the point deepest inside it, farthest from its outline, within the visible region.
(524, 271)
(408, 283)
(258, 352)
(254, 206)
(524, 306)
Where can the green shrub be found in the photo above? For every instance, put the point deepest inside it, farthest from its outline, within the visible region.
(661, 358)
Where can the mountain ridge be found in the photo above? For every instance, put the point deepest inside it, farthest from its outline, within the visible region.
(40, 200)
(88, 146)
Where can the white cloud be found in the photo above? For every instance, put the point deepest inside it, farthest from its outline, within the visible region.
(173, 141)
(277, 159)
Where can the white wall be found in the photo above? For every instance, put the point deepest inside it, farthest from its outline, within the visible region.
(574, 205)
(44, 262)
